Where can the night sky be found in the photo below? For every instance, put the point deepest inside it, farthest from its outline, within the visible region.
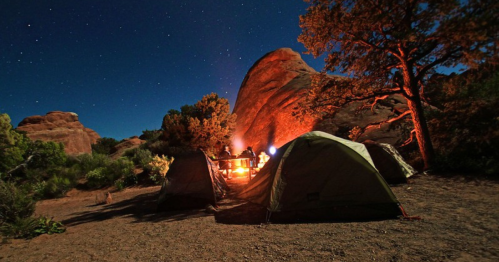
(122, 64)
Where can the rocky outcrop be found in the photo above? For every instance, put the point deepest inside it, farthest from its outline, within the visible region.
(126, 144)
(271, 89)
(61, 127)
(276, 84)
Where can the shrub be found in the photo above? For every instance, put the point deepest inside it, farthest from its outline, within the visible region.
(91, 162)
(159, 167)
(48, 226)
(140, 157)
(20, 228)
(15, 203)
(122, 167)
(105, 146)
(96, 178)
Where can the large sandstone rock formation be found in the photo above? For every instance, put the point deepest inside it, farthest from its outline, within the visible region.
(276, 84)
(269, 92)
(62, 127)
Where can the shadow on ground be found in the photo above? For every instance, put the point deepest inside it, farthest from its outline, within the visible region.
(143, 208)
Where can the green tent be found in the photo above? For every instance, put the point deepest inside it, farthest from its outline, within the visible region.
(319, 176)
(193, 181)
(389, 162)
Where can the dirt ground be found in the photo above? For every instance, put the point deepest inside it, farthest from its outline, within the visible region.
(460, 223)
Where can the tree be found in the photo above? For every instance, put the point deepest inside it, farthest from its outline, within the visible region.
(205, 124)
(212, 123)
(105, 145)
(393, 46)
(13, 145)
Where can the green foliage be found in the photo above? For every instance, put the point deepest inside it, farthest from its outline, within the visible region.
(104, 146)
(47, 154)
(97, 178)
(107, 175)
(48, 226)
(21, 227)
(30, 227)
(15, 203)
(56, 186)
(88, 162)
(13, 146)
(140, 157)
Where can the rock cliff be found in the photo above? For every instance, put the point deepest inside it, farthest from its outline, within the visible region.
(270, 90)
(62, 127)
(276, 84)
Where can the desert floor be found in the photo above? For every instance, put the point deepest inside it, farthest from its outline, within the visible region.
(460, 223)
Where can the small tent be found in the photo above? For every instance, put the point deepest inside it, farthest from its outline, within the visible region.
(389, 162)
(193, 181)
(318, 176)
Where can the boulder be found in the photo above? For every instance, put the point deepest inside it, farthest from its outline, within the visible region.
(276, 84)
(61, 127)
(273, 86)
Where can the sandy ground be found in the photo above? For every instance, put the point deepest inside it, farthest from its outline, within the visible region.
(460, 223)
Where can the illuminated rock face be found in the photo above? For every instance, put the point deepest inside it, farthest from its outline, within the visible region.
(61, 127)
(276, 84)
(271, 89)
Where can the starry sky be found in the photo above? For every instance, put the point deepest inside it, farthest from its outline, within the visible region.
(122, 64)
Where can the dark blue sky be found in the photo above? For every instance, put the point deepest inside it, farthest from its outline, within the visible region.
(122, 64)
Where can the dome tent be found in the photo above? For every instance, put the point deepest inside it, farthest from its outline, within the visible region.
(389, 162)
(193, 181)
(318, 176)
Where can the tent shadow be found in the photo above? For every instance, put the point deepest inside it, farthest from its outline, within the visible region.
(242, 213)
(143, 208)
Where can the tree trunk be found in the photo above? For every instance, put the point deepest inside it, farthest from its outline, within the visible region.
(422, 132)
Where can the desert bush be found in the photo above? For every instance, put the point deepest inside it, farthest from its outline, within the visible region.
(122, 167)
(88, 162)
(159, 167)
(47, 154)
(97, 178)
(15, 203)
(104, 146)
(140, 157)
(21, 227)
(30, 227)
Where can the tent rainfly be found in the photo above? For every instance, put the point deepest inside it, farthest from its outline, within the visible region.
(318, 176)
(389, 162)
(193, 181)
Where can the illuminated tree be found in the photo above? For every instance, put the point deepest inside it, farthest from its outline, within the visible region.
(212, 123)
(205, 124)
(393, 46)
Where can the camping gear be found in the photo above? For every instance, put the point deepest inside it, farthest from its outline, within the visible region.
(389, 162)
(193, 181)
(318, 176)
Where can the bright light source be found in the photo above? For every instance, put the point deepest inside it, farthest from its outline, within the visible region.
(272, 150)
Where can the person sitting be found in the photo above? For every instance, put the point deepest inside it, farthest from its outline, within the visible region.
(250, 161)
(225, 163)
